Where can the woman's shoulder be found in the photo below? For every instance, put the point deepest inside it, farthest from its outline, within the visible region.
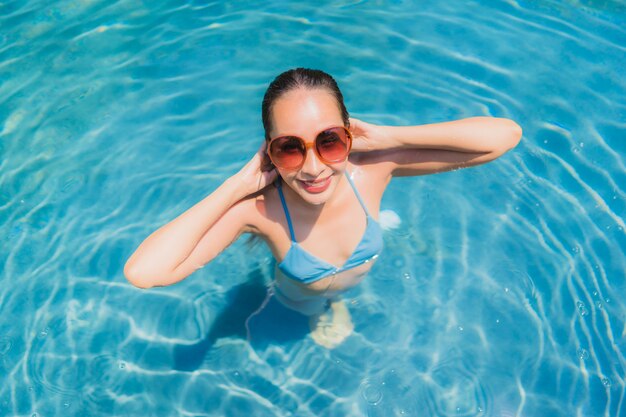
(368, 177)
(372, 166)
(260, 207)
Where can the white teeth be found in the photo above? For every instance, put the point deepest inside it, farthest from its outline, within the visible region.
(314, 183)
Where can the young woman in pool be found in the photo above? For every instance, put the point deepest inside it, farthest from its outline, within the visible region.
(316, 199)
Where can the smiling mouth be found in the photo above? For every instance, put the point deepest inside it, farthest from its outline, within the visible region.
(316, 186)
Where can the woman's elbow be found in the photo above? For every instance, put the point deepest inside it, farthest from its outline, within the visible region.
(506, 137)
(513, 135)
(136, 278)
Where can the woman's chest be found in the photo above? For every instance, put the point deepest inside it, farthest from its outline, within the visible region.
(328, 285)
(329, 240)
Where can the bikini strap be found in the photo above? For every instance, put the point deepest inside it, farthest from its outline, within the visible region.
(284, 203)
(367, 213)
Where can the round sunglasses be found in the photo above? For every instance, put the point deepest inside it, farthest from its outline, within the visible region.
(332, 145)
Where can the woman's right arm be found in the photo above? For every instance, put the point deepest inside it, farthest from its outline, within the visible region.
(188, 242)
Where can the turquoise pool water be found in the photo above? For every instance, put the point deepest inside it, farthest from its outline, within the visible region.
(500, 294)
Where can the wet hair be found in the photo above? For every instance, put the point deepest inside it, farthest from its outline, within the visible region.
(300, 78)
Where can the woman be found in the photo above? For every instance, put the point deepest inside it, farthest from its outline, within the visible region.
(313, 201)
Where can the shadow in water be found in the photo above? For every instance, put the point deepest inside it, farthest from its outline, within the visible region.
(272, 324)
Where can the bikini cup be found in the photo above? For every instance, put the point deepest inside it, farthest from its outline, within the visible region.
(307, 268)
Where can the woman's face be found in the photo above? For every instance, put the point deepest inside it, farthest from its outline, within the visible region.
(305, 113)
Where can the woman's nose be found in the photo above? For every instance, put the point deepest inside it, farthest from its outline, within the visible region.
(312, 165)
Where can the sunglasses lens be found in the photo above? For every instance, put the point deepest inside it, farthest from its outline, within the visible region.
(287, 152)
(333, 145)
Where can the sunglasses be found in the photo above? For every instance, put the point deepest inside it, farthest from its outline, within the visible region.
(331, 146)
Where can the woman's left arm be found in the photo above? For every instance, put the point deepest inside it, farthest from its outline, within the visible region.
(437, 147)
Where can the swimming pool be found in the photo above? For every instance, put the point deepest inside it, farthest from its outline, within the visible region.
(500, 294)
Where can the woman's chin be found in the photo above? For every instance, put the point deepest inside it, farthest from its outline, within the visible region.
(315, 199)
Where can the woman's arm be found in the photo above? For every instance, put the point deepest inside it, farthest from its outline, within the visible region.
(195, 237)
(425, 149)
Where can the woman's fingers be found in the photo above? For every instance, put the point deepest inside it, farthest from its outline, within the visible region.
(259, 170)
(259, 156)
(270, 176)
(266, 178)
(354, 121)
(357, 127)
(263, 158)
(366, 136)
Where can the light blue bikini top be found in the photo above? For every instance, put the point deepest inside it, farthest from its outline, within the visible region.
(300, 265)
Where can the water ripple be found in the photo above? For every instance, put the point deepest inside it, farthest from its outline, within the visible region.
(504, 280)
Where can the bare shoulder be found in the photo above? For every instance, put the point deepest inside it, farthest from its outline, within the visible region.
(374, 167)
(371, 175)
(266, 219)
(259, 210)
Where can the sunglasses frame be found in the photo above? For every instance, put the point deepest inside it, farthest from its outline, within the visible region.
(307, 146)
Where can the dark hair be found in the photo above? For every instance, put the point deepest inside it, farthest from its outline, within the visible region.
(296, 78)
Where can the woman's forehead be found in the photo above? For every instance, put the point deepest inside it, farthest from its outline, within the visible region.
(305, 108)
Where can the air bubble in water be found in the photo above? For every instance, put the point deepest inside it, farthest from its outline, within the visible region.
(582, 354)
(606, 382)
(582, 310)
(371, 393)
(122, 365)
(398, 262)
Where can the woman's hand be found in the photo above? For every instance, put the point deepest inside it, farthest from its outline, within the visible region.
(367, 136)
(258, 173)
